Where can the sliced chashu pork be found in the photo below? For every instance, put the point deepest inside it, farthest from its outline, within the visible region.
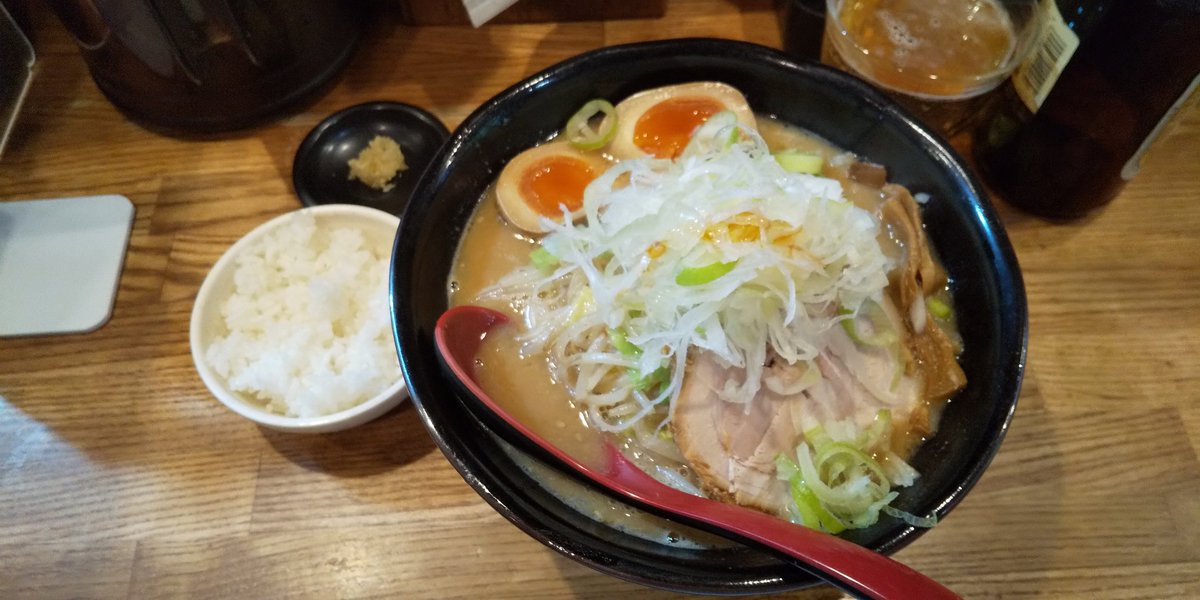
(732, 447)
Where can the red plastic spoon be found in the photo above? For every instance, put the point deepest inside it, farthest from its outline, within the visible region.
(855, 569)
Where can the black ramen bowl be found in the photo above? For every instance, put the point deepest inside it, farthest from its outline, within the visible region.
(959, 220)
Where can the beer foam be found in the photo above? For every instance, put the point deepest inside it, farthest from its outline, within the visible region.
(897, 31)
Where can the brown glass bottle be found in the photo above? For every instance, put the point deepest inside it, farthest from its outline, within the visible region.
(1135, 62)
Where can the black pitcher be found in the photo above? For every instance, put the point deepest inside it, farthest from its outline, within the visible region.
(211, 65)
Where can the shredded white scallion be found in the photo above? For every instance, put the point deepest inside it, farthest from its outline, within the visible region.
(721, 250)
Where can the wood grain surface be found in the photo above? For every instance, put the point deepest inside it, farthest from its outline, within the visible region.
(121, 477)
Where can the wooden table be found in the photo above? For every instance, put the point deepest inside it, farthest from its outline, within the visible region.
(120, 476)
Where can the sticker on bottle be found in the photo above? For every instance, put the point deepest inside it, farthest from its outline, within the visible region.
(1052, 51)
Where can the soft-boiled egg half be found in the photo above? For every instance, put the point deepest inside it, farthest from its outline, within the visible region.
(543, 180)
(659, 122)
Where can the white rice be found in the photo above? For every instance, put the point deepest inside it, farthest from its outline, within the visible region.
(309, 333)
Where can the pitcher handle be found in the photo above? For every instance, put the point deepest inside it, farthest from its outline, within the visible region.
(83, 19)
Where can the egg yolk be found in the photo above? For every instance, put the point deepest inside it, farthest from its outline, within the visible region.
(665, 128)
(556, 180)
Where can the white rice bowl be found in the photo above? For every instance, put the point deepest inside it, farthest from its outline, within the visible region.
(291, 328)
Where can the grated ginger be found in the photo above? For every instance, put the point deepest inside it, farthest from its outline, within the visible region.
(378, 163)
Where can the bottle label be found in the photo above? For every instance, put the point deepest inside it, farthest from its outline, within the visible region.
(1135, 162)
(1052, 50)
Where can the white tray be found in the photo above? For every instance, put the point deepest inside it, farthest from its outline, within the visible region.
(60, 261)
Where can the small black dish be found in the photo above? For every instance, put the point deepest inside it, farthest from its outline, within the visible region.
(320, 171)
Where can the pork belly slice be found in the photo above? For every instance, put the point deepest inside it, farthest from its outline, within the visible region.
(876, 376)
(731, 447)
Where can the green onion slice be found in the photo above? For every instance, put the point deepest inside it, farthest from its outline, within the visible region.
(939, 309)
(811, 508)
(617, 338)
(870, 326)
(543, 260)
(718, 132)
(705, 274)
(910, 518)
(582, 305)
(653, 380)
(795, 161)
(579, 130)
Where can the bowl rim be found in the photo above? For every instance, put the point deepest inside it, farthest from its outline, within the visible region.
(412, 341)
(205, 297)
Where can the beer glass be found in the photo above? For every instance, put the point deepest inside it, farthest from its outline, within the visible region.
(938, 58)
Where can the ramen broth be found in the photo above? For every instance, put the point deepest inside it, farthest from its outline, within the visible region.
(491, 248)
